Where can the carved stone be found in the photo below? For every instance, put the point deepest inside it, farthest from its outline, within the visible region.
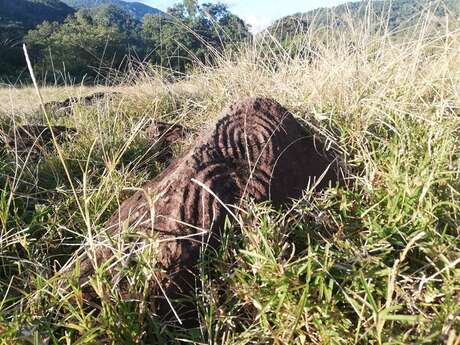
(255, 150)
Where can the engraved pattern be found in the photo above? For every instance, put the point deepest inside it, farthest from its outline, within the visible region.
(257, 149)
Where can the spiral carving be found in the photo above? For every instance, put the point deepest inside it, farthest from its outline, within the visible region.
(255, 150)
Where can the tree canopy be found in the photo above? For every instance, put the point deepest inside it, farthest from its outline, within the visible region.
(92, 42)
(191, 33)
(84, 42)
(136, 9)
(16, 18)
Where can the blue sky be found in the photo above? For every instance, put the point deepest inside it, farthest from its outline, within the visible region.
(259, 13)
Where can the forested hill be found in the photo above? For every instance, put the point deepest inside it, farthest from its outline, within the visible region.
(19, 16)
(396, 14)
(99, 42)
(136, 9)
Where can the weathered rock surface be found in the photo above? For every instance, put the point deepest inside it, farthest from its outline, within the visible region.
(64, 107)
(163, 135)
(33, 138)
(256, 149)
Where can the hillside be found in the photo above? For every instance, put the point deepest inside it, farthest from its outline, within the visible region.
(95, 42)
(16, 19)
(18, 16)
(98, 41)
(401, 14)
(136, 9)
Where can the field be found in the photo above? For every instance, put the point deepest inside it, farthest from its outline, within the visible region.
(375, 260)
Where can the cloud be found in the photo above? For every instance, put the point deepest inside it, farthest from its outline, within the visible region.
(258, 23)
(239, 7)
(230, 3)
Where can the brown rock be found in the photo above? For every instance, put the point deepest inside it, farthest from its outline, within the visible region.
(256, 149)
(64, 107)
(162, 136)
(33, 138)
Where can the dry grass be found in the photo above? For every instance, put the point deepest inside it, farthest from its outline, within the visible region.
(373, 262)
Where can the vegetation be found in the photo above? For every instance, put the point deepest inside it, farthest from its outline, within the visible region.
(29, 13)
(86, 44)
(16, 18)
(192, 34)
(93, 43)
(110, 36)
(136, 9)
(395, 15)
(373, 261)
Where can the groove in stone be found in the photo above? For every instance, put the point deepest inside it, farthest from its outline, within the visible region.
(257, 150)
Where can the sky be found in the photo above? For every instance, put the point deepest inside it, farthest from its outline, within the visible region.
(259, 13)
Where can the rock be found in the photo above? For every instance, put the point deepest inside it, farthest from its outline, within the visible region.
(256, 149)
(34, 138)
(162, 136)
(64, 107)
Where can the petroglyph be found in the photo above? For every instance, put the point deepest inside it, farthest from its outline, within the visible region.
(256, 150)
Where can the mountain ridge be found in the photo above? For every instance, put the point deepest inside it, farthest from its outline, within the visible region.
(137, 9)
(402, 13)
(19, 16)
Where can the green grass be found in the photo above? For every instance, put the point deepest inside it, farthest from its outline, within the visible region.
(374, 261)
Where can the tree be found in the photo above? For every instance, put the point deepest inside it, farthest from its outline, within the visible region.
(191, 33)
(192, 8)
(94, 42)
(87, 44)
(16, 18)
